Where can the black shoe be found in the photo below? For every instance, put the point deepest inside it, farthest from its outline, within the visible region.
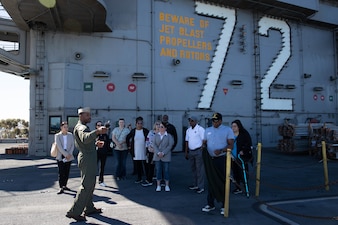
(138, 181)
(95, 211)
(77, 218)
(65, 188)
(60, 191)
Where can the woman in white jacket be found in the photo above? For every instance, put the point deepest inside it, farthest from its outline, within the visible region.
(65, 143)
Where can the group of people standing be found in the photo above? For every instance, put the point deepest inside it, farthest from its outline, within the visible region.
(151, 153)
(151, 150)
(206, 150)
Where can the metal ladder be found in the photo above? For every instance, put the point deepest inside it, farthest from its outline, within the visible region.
(258, 78)
(40, 110)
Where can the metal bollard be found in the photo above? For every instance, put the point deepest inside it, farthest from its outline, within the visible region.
(258, 168)
(227, 183)
(326, 173)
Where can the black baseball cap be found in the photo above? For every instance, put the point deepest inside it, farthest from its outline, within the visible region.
(216, 116)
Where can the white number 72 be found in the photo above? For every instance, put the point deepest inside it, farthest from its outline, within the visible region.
(265, 23)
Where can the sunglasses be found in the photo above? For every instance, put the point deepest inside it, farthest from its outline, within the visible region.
(215, 121)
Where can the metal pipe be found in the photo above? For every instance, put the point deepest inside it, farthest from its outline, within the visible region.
(227, 183)
(335, 46)
(258, 168)
(152, 66)
(326, 173)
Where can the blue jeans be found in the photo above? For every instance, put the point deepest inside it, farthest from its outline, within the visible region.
(162, 167)
(121, 162)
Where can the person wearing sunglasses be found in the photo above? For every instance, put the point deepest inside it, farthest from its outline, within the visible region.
(217, 140)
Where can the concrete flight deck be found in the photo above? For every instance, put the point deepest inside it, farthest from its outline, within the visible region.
(292, 192)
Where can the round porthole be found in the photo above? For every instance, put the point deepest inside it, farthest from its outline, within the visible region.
(77, 55)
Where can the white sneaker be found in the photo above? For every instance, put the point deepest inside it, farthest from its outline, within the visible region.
(222, 211)
(102, 184)
(167, 188)
(158, 188)
(208, 208)
(199, 190)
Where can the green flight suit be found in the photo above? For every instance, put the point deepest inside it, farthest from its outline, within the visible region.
(87, 163)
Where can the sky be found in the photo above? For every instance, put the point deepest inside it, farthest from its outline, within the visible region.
(14, 92)
(14, 97)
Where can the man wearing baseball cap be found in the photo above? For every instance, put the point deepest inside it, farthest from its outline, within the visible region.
(217, 139)
(193, 152)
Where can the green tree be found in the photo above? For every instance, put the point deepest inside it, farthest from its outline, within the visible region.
(11, 128)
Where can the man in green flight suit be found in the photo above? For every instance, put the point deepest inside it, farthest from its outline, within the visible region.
(85, 142)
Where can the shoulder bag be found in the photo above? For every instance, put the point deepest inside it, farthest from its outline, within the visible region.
(54, 150)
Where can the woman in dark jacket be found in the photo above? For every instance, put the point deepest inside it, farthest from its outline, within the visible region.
(242, 147)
